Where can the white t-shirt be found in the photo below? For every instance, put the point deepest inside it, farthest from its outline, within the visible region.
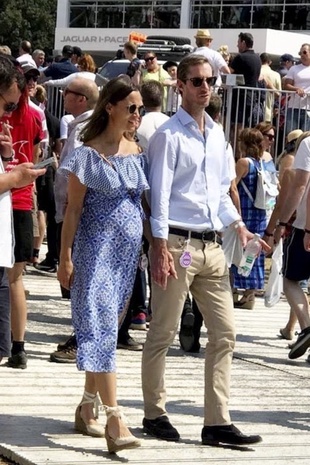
(6, 228)
(26, 58)
(300, 74)
(150, 123)
(64, 122)
(302, 162)
(215, 59)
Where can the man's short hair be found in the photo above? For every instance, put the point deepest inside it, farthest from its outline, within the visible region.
(26, 46)
(67, 51)
(152, 93)
(37, 52)
(215, 106)
(265, 58)
(187, 62)
(247, 38)
(131, 47)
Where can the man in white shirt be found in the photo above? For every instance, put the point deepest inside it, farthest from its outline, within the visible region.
(217, 62)
(25, 53)
(273, 82)
(296, 266)
(298, 80)
(189, 183)
(152, 95)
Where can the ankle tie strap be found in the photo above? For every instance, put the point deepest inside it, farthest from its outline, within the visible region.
(114, 412)
(89, 398)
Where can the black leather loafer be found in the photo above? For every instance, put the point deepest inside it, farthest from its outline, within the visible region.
(226, 434)
(161, 428)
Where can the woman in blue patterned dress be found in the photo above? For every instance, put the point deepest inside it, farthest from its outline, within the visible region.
(252, 145)
(104, 220)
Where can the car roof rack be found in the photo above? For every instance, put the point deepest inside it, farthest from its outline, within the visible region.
(164, 49)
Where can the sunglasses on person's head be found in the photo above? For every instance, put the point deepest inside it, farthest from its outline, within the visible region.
(9, 106)
(31, 76)
(133, 108)
(197, 81)
(270, 136)
(69, 91)
(149, 59)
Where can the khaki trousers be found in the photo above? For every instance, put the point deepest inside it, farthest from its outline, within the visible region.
(208, 280)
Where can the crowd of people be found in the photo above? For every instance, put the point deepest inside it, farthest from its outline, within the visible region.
(137, 184)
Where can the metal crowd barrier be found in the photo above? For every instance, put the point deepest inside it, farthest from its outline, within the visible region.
(247, 106)
(241, 107)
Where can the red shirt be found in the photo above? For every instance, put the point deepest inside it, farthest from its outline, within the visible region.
(26, 133)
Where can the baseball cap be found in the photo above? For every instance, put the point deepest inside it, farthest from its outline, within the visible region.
(27, 67)
(168, 64)
(67, 50)
(286, 57)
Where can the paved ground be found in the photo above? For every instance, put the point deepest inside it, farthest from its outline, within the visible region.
(269, 396)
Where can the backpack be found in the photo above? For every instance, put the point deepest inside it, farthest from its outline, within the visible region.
(266, 189)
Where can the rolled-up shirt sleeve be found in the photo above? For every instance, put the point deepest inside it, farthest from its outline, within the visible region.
(161, 159)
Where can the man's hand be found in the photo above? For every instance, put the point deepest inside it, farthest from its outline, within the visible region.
(6, 143)
(162, 263)
(300, 92)
(245, 236)
(23, 174)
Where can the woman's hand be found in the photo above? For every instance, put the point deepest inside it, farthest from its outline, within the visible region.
(65, 273)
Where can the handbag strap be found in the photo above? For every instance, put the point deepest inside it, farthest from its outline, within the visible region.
(243, 183)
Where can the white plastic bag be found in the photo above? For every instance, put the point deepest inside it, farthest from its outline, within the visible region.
(274, 286)
(232, 247)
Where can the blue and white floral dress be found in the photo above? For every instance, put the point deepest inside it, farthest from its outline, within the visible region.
(106, 251)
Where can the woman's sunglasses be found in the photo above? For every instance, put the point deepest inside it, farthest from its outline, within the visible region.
(149, 59)
(9, 106)
(31, 76)
(133, 108)
(197, 81)
(270, 137)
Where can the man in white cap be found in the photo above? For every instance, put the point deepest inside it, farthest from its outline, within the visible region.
(217, 62)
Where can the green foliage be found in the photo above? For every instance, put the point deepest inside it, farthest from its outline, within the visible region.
(33, 20)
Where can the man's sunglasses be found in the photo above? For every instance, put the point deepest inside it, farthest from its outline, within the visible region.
(304, 52)
(149, 59)
(197, 81)
(69, 91)
(9, 106)
(31, 76)
(133, 108)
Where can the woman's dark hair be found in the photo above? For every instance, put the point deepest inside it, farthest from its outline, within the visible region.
(264, 127)
(116, 90)
(252, 142)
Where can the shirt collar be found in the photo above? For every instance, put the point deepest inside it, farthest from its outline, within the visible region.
(185, 118)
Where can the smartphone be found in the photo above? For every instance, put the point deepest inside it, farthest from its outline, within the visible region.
(44, 163)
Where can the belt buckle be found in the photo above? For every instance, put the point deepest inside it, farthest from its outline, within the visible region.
(205, 236)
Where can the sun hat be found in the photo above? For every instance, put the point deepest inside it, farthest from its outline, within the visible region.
(203, 34)
(293, 135)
